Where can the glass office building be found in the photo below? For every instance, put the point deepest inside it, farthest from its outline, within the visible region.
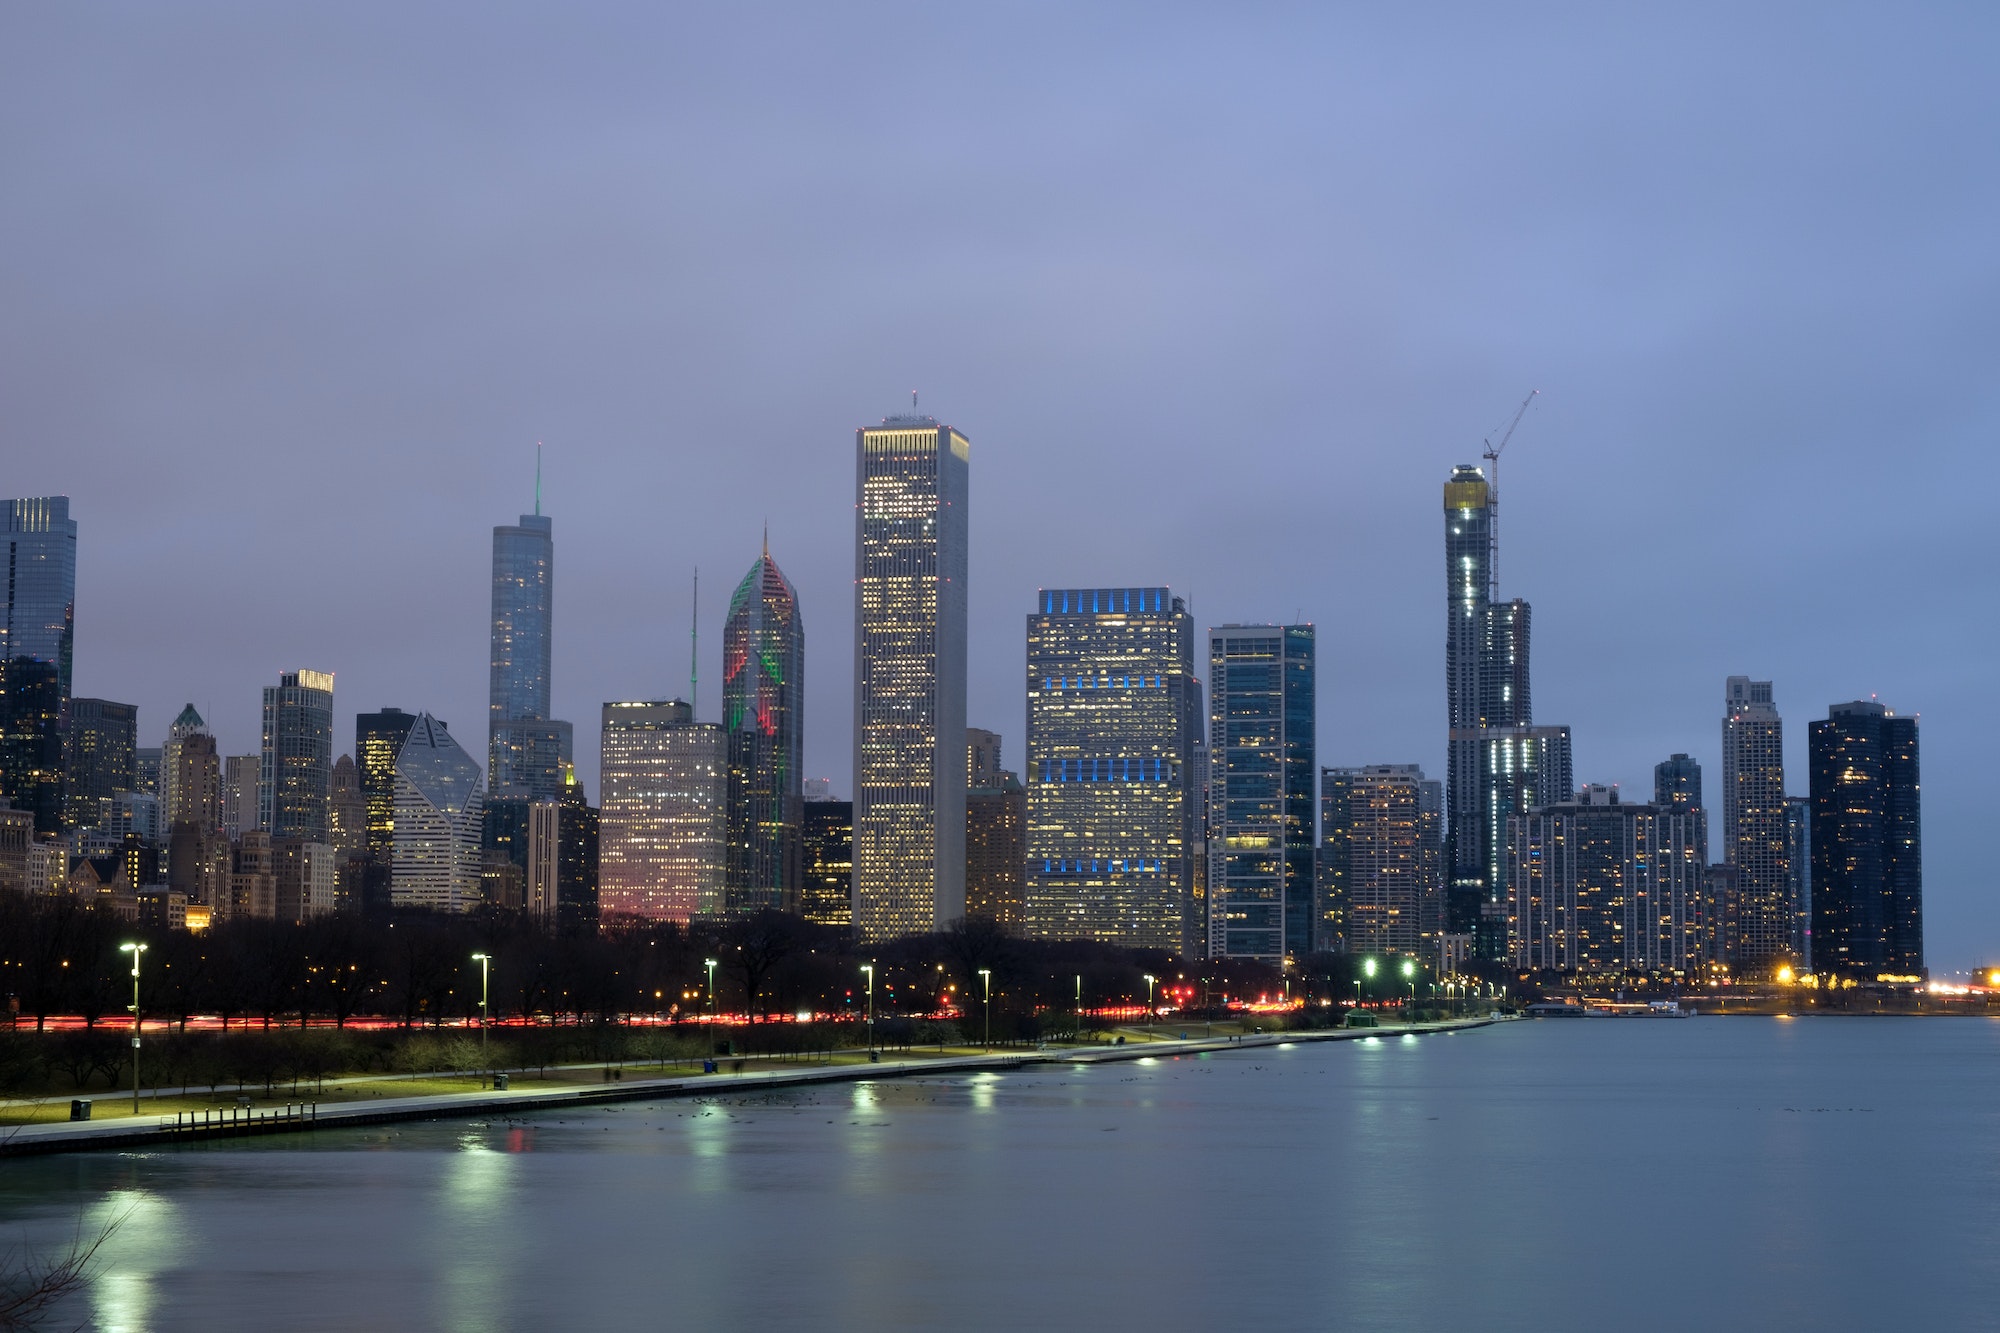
(661, 825)
(439, 815)
(827, 898)
(1261, 774)
(37, 632)
(1381, 860)
(103, 742)
(378, 739)
(763, 714)
(911, 487)
(1760, 920)
(296, 773)
(1114, 717)
(526, 751)
(1867, 843)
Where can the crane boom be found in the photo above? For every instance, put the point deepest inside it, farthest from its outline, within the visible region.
(1492, 455)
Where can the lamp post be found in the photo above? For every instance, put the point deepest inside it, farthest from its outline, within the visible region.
(136, 950)
(869, 970)
(710, 962)
(1410, 975)
(485, 974)
(1367, 970)
(1150, 981)
(1079, 1008)
(986, 978)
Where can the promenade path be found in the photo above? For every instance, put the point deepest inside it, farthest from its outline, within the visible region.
(158, 1131)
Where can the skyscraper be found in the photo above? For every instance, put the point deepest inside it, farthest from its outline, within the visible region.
(763, 714)
(103, 741)
(1382, 859)
(1114, 716)
(190, 774)
(911, 488)
(1798, 862)
(828, 895)
(576, 858)
(1753, 824)
(1260, 773)
(1520, 769)
(996, 832)
(661, 824)
(297, 765)
(37, 628)
(239, 793)
(1468, 570)
(525, 749)
(378, 739)
(439, 813)
(347, 809)
(1867, 843)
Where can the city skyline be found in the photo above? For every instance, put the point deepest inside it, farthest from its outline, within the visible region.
(1706, 403)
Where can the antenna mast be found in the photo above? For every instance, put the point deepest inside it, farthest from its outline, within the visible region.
(694, 652)
(538, 478)
(1492, 455)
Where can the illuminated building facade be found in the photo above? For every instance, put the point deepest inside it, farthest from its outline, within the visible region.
(827, 898)
(1261, 774)
(1761, 920)
(434, 849)
(346, 809)
(103, 738)
(996, 831)
(297, 764)
(378, 739)
(1798, 862)
(239, 793)
(37, 634)
(1520, 769)
(661, 825)
(1381, 860)
(525, 749)
(1867, 843)
(190, 774)
(1468, 560)
(1602, 888)
(911, 487)
(1114, 718)
(763, 714)
(576, 858)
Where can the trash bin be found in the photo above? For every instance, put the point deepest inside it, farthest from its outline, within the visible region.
(708, 1066)
(79, 1108)
(499, 1083)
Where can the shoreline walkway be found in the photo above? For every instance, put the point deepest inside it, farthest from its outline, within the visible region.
(158, 1131)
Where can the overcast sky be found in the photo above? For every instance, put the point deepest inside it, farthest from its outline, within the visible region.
(1219, 294)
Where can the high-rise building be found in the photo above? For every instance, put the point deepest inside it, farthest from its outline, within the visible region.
(297, 766)
(103, 737)
(190, 774)
(1261, 774)
(1468, 570)
(239, 793)
(763, 714)
(661, 825)
(1602, 888)
(1753, 824)
(305, 877)
(439, 815)
(1381, 860)
(37, 628)
(1520, 769)
(911, 489)
(1114, 718)
(576, 858)
(378, 739)
(347, 809)
(828, 896)
(146, 772)
(526, 750)
(1867, 843)
(1798, 863)
(996, 830)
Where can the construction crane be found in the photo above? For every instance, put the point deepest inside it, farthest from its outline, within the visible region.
(1492, 455)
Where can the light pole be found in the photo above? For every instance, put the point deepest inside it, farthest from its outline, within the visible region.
(1150, 981)
(136, 950)
(869, 969)
(1367, 970)
(1410, 975)
(710, 962)
(485, 975)
(986, 978)
(1079, 1008)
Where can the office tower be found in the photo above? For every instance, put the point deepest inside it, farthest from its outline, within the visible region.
(763, 714)
(190, 774)
(1753, 824)
(439, 812)
(297, 763)
(1260, 777)
(37, 625)
(1798, 866)
(253, 887)
(1114, 718)
(239, 793)
(305, 879)
(661, 826)
(526, 750)
(503, 848)
(827, 898)
(1520, 769)
(347, 809)
(1468, 559)
(146, 770)
(378, 739)
(17, 835)
(576, 858)
(197, 861)
(103, 737)
(1381, 859)
(1677, 786)
(136, 814)
(543, 887)
(1602, 888)
(911, 487)
(996, 830)
(1867, 843)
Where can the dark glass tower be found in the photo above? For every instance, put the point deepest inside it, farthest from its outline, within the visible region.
(1261, 773)
(1468, 577)
(37, 630)
(378, 739)
(295, 777)
(763, 714)
(1867, 843)
(103, 746)
(828, 895)
(526, 751)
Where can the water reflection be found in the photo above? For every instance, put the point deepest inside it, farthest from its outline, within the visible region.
(479, 1244)
(145, 1240)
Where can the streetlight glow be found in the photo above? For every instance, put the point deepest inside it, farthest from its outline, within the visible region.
(137, 951)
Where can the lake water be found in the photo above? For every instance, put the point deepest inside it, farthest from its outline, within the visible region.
(1598, 1174)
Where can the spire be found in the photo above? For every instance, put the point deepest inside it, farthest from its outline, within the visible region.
(767, 539)
(538, 478)
(694, 651)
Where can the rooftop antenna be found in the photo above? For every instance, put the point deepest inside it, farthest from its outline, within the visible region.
(538, 478)
(694, 652)
(1492, 455)
(913, 400)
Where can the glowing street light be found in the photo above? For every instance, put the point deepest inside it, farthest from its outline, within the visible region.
(1410, 975)
(710, 962)
(1150, 981)
(136, 950)
(869, 969)
(986, 977)
(485, 967)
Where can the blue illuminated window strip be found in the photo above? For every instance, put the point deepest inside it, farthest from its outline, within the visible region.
(1107, 770)
(1072, 601)
(1101, 682)
(1099, 866)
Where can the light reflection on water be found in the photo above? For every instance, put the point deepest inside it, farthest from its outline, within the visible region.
(1681, 1174)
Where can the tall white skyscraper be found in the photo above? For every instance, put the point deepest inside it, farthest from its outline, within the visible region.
(434, 854)
(911, 481)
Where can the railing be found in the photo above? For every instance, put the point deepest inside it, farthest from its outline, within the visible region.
(242, 1119)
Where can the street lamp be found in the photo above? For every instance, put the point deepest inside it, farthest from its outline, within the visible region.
(1079, 1007)
(869, 969)
(1410, 975)
(1150, 980)
(711, 1002)
(986, 977)
(136, 950)
(1367, 970)
(485, 974)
